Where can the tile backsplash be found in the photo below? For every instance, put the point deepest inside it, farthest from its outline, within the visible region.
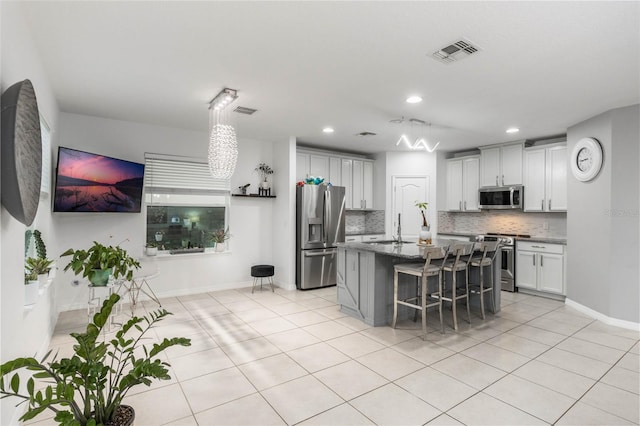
(508, 222)
(359, 222)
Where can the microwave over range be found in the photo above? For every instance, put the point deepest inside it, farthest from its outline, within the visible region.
(501, 197)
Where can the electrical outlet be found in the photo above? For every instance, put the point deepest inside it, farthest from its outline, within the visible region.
(545, 226)
(75, 283)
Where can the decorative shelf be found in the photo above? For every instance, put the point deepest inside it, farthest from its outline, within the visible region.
(253, 195)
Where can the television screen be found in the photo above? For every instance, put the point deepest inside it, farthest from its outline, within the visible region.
(88, 182)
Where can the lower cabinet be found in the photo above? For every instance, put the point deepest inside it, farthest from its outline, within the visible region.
(355, 270)
(540, 267)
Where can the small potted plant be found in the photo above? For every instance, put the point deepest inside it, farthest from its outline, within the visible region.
(264, 171)
(40, 267)
(425, 231)
(152, 248)
(31, 287)
(100, 262)
(219, 237)
(89, 387)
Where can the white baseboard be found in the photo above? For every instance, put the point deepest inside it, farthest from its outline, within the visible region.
(630, 325)
(184, 292)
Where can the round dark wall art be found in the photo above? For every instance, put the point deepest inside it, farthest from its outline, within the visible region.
(21, 152)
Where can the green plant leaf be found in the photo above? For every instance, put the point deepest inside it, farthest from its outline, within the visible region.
(15, 383)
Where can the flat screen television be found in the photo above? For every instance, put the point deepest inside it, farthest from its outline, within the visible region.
(87, 182)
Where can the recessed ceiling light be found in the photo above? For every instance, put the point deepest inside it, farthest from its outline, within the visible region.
(414, 99)
(513, 130)
(328, 130)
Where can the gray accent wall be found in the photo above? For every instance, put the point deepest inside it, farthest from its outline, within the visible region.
(603, 218)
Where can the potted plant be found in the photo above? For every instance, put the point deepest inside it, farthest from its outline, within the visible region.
(152, 248)
(219, 236)
(31, 286)
(40, 267)
(264, 171)
(89, 387)
(99, 262)
(425, 232)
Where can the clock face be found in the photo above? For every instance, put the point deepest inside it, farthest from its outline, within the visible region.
(585, 159)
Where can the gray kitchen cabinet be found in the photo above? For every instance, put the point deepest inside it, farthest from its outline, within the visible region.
(335, 171)
(355, 273)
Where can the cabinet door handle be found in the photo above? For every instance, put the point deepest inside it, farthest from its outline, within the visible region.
(534, 260)
(496, 180)
(549, 204)
(541, 204)
(459, 205)
(465, 205)
(541, 260)
(502, 180)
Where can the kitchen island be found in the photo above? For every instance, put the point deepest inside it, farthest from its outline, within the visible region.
(365, 279)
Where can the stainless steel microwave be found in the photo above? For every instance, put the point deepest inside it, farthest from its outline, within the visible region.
(501, 197)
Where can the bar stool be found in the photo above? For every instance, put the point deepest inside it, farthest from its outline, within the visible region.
(460, 253)
(422, 271)
(481, 262)
(262, 271)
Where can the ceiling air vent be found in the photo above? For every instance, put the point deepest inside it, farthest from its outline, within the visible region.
(363, 134)
(455, 51)
(244, 110)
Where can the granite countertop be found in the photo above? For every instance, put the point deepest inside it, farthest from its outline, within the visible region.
(407, 250)
(550, 240)
(364, 233)
(459, 234)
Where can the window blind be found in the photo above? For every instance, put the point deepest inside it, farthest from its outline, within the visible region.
(182, 174)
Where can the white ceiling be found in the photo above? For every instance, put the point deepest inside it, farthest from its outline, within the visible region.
(544, 66)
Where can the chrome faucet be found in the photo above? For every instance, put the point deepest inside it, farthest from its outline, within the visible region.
(399, 239)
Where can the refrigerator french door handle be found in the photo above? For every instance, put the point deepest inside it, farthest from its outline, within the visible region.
(326, 219)
(320, 253)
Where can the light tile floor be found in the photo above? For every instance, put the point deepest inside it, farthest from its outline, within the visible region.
(293, 358)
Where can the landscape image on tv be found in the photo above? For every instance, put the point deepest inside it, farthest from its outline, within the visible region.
(88, 182)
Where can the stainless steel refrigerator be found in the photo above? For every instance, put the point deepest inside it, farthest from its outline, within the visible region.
(319, 226)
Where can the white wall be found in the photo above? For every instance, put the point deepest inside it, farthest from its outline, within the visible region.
(23, 333)
(410, 164)
(250, 218)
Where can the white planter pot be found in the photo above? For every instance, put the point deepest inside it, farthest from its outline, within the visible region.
(152, 251)
(220, 247)
(31, 293)
(425, 235)
(264, 185)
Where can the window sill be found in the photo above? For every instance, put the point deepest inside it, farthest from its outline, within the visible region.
(166, 255)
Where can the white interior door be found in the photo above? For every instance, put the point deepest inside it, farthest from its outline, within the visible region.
(406, 191)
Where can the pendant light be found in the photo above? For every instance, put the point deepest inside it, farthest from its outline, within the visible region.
(223, 145)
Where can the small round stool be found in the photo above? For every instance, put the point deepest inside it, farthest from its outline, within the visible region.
(262, 271)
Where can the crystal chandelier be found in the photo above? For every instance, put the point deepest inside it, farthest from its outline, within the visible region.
(223, 145)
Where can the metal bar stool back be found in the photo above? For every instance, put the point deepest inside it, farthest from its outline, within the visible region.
(422, 271)
(489, 252)
(459, 254)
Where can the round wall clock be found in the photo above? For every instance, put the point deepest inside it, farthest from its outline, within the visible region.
(586, 159)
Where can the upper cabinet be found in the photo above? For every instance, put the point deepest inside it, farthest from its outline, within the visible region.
(462, 184)
(501, 165)
(545, 179)
(355, 174)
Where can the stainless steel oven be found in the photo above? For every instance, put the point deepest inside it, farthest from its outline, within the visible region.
(507, 244)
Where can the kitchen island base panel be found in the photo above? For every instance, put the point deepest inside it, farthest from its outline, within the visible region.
(365, 287)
